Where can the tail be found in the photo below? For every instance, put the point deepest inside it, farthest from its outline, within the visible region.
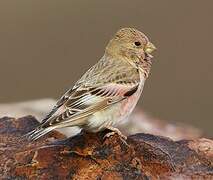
(37, 133)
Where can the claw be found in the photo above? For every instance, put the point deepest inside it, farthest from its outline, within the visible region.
(114, 131)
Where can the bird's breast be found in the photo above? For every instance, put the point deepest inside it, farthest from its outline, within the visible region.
(129, 104)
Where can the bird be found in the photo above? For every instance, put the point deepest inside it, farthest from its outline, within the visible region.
(108, 92)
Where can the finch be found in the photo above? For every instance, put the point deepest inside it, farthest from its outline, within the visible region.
(108, 92)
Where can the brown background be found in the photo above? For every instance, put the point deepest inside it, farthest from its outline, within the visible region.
(46, 45)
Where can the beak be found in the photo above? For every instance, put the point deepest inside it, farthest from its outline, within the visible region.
(149, 48)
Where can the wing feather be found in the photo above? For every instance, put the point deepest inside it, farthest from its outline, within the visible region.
(98, 88)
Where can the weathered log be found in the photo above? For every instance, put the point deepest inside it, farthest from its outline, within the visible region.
(91, 156)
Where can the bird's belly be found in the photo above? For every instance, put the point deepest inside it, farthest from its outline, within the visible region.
(102, 119)
(112, 115)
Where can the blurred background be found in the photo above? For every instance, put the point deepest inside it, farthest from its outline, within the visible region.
(45, 46)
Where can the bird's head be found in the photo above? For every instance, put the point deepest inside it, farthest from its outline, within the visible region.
(133, 46)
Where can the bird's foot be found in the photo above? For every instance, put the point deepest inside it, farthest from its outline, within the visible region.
(114, 131)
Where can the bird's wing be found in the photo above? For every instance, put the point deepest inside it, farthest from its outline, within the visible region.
(101, 86)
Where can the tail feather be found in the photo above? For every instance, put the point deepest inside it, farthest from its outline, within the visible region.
(37, 133)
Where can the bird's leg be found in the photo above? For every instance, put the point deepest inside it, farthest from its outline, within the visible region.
(114, 130)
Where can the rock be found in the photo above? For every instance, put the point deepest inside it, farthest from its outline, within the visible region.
(90, 156)
(138, 122)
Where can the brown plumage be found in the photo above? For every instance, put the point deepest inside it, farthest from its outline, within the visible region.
(108, 91)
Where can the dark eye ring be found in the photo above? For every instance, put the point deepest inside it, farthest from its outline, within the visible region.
(137, 43)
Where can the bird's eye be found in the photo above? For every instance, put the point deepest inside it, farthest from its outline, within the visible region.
(137, 43)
